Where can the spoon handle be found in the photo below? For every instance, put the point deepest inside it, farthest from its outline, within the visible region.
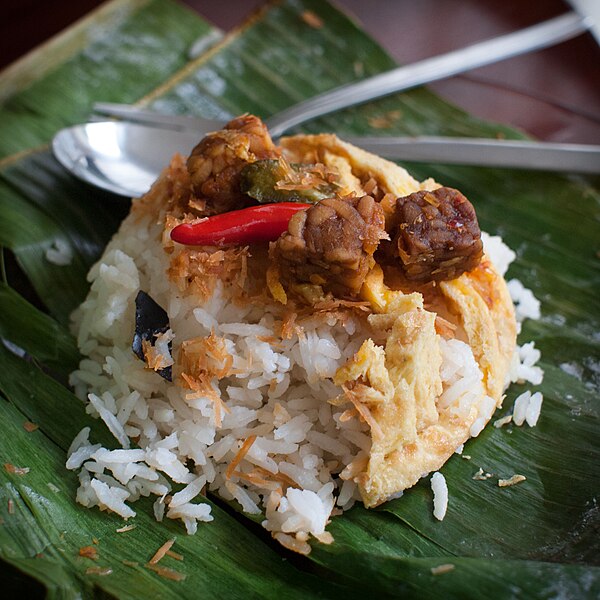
(519, 154)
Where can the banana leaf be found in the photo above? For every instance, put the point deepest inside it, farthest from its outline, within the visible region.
(120, 52)
(538, 539)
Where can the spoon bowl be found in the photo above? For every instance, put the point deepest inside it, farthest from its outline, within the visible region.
(123, 158)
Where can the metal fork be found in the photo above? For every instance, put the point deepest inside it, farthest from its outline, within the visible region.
(483, 53)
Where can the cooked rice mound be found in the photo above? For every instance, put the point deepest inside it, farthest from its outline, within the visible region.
(295, 412)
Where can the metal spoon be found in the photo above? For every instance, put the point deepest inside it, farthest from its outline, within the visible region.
(126, 158)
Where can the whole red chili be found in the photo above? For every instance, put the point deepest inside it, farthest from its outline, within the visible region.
(264, 223)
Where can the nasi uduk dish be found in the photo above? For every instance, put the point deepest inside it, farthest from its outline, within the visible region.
(292, 327)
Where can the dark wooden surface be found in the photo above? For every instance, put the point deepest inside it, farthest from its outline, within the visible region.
(552, 94)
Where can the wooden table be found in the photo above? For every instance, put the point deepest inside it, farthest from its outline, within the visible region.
(552, 94)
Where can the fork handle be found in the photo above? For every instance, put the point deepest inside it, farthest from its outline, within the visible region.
(151, 117)
(532, 38)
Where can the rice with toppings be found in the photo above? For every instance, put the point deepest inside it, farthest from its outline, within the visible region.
(255, 421)
(296, 445)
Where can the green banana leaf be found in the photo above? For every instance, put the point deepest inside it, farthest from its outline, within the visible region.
(538, 539)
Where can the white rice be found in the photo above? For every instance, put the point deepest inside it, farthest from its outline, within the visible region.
(502, 256)
(534, 409)
(527, 407)
(302, 441)
(527, 306)
(440, 495)
(60, 253)
(523, 368)
(188, 493)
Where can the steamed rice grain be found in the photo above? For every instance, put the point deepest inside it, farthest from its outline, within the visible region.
(440, 495)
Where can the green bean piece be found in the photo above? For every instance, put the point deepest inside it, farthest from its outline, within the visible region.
(262, 180)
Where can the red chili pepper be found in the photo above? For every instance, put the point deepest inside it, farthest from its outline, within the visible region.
(264, 223)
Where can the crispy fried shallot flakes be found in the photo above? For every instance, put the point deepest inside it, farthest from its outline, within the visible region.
(88, 552)
(160, 553)
(441, 569)
(240, 455)
(311, 19)
(166, 573)
(10, 468)
(511, 481)
(102, 571)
